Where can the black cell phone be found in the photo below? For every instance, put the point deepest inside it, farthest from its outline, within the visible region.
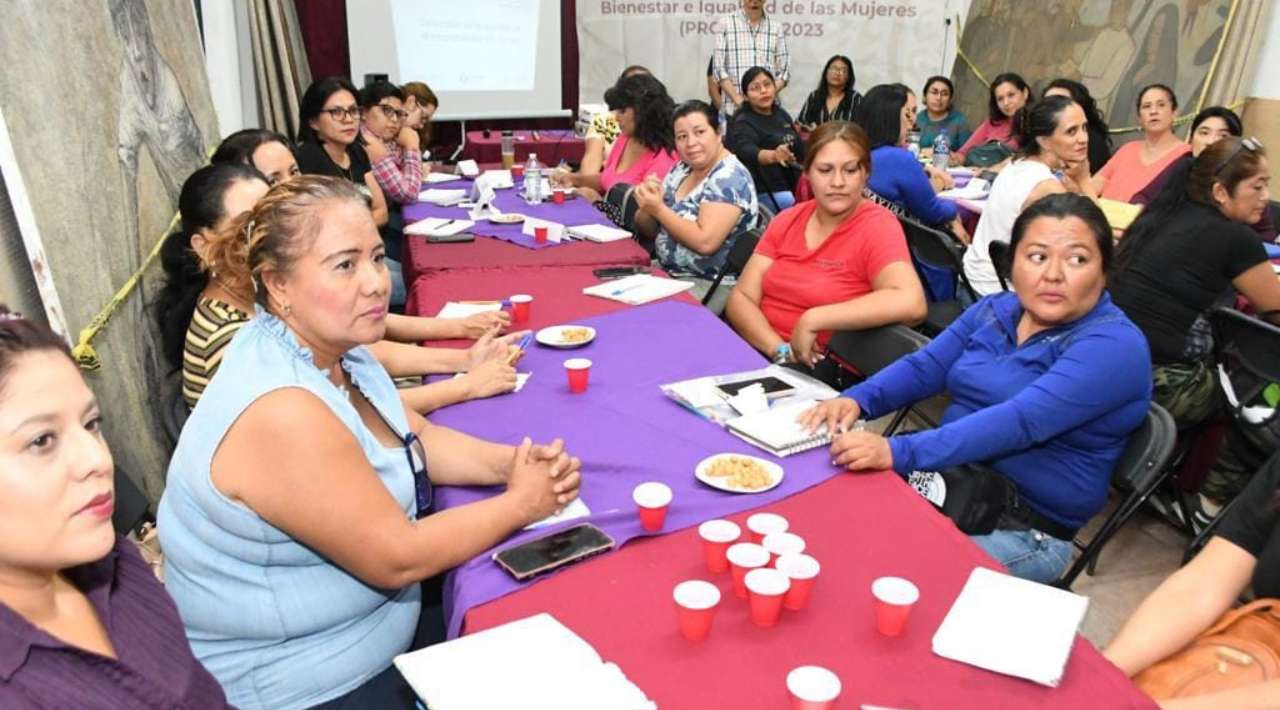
(451, 238)
(617, 272)
(773, 387)
(555, 550)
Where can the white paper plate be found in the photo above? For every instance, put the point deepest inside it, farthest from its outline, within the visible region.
(553, 336)
(774, 470)
(506, 218)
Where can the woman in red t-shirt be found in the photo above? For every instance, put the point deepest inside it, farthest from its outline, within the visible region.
(837, 262)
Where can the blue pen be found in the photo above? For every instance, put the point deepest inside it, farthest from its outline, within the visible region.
(624, 290)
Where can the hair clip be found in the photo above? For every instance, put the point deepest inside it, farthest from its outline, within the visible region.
(248, 233)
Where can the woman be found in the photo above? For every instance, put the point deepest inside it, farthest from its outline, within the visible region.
(421, 103)
(939, 115)
(208, 298)
(1055, 139)
(1242, 555)
(643, 146)
(834, 99)
(1009, 95)
(1023, 371)
(706, 202)
(1188, 248)
(836, 262)
(1209, 126)
(393, 149)
(85, 622)
(265, 150)
(762, 135)
(886, 115)
(603, 131)
(328, 125)
(299, 493)
(1137, 163)
(1099, 133)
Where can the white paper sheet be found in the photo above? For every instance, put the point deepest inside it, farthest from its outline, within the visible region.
(576, 509)
(443, 198)
(521, 379)
(535, 663)
(438, 227)
(433, 178)
(638, 289)
(454, 309)
(1011, 626)
(555, 230)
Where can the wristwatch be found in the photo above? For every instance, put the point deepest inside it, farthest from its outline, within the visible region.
(782, 355)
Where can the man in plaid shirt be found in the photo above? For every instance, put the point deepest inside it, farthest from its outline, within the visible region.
(392, 146)
(748, 39)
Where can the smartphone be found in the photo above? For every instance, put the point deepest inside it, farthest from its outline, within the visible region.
(555, 550)
(773, 387)
(617, 272)
(451, 238)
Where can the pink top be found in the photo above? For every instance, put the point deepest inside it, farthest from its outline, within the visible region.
(1126, 175)
(988, 131)
(658, 162)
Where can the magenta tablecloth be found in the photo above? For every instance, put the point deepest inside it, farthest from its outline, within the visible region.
(624, 430)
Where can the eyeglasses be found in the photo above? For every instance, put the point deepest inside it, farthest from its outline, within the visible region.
(1251, 144)
(339, 113)
(393, 113)
(417, 457)
(839, 71)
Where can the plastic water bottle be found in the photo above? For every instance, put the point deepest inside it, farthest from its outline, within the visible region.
(533, 180)
(913, 143)
(941, 150)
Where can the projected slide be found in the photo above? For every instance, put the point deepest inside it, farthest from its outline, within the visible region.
(468, 45)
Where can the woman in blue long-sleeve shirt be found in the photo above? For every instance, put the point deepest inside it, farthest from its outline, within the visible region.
(1046, 385)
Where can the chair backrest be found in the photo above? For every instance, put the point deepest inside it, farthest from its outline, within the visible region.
(764, 215)
(870, 351)
(1249, 342)
(998, 253)
(936, 248)
(1147, 451)
(736, 260)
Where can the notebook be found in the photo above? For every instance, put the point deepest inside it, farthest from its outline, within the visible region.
(638, 289)
(442, 197)
(1011, 626)
(539, 663)
(777, 431)
(1119, 214)
(599, 233)
(438, 227)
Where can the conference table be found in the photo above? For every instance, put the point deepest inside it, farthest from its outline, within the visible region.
(626, 432)
(552, 146)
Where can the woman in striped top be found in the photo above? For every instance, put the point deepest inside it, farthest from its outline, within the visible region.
(207, 299)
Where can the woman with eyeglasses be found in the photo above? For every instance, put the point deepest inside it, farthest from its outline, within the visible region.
(297, 522)
(834, 99)
(763, 136)
(421, 104)
(939, 114)
(1188, 248)
(391, 145)
(328, 125)
(1138, 162)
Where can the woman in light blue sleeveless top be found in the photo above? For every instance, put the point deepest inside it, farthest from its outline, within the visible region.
(295, 520)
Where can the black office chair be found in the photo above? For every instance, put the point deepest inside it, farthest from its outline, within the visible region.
(736, 260)
(1247, 350)
(937, 249)
(867, 352)
(1139, 472)
(1001, 261)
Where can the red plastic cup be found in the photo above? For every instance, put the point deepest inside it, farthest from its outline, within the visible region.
(813, 688)
(894, 598)
(717, 536)
(517, 171)
(696, 603)
(766, 588)
(652, 500)
(744, 557)
(579, 369)
(557, 196)
(782, 543)
(802, 570)
(540, 234)
(521, 304)
(762, 524)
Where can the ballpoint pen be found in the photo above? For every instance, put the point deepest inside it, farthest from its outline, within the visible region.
(524, 343)
(620, 291)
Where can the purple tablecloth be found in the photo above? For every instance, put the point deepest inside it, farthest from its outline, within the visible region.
(573, 213)
(624, 430)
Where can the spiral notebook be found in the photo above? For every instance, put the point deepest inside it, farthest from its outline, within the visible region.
(777, 430)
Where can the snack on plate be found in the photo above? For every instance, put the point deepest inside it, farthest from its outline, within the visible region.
(574, 335)
(740, 472)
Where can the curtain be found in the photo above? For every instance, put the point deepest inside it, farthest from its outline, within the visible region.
(1230, 80)
(281, 72)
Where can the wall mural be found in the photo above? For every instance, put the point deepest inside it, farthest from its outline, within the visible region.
(106, 110)
(1115, 47)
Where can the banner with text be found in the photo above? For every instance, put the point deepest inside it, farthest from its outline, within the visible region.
(905, 41)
